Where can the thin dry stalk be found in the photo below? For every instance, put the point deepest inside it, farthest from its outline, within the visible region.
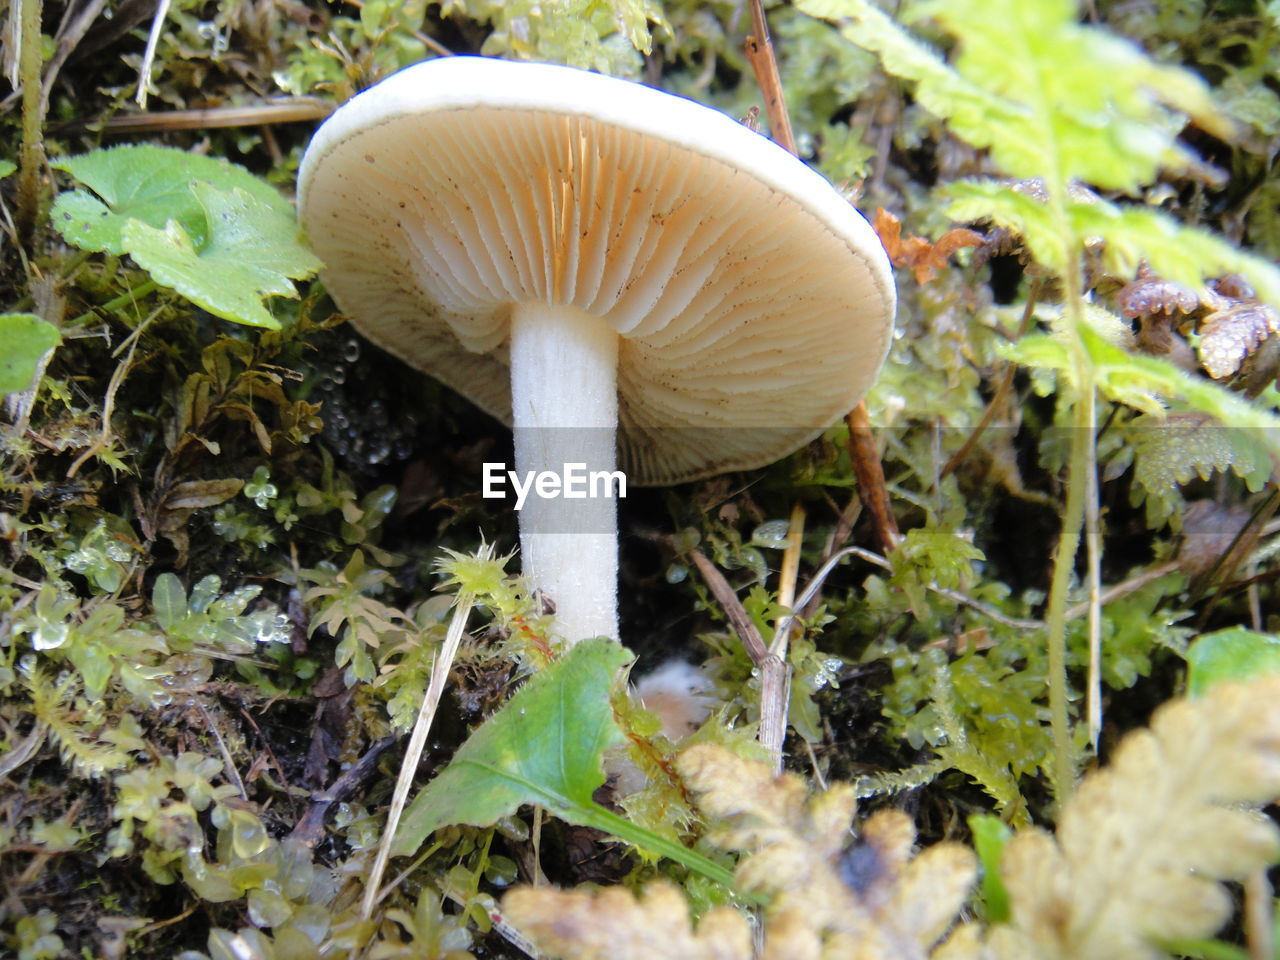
(149, 58)
(75, 24)
(869, 472)
(284, 110)
(109, 402)
(775, 679)
(732, 607)
(764, 64)
(775, 673)
(413, 753)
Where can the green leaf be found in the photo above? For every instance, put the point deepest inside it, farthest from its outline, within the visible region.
(1149, 383)
(1183, 254)
(7, 167)
(990, 836)
(1170, 451)
(1016, 210)
(1048, 97)
(544, 747)
(148, 184)
(251, 253)
(1231, 654)
(169, 599)
(26, 340)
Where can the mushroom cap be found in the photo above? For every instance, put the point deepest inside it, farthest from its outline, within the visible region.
(754, 304)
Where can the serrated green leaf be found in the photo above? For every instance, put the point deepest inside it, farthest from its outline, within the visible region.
(1170, 451)
(1047, 96)
(149, 184)
(544, 747)
(1231, 654)
(1005, 206)
(26, 340)
(251, 252)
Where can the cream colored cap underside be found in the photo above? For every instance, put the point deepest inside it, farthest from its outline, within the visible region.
(747, 324)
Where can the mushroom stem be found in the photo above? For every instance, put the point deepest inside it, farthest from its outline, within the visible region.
(564, 405)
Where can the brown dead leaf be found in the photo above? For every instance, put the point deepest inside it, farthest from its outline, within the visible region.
(184, 499)
(198, 494)
(921, 256)
(1151, 294)
(1229, 335)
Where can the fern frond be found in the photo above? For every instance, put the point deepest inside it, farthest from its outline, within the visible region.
(613, 925)
(869, 900)
(1141, 847)
(1047, 96)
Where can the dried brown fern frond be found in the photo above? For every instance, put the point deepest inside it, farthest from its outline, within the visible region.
(827, 898)
(1140, 848)
(613, 925)
(1136, 860)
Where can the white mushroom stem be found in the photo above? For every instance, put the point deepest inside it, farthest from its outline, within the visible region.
(564, 404)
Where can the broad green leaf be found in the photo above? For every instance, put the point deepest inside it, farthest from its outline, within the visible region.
(149, 184)
(544, 747)
(250, 253)
(1231, 654)
(7, 167)
(169, 600)
(26, 339)
(990, 837)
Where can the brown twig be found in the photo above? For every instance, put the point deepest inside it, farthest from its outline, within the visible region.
(739, 619)
(775, 675)
(759, 49)
(870, 475)
(284, 110)
(310, 826)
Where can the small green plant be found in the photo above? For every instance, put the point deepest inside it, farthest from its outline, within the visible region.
(546, 747)
(208, 229)
(27, 340)
(1026, 86)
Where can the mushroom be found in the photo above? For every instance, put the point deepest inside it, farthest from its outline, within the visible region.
(626, 277)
